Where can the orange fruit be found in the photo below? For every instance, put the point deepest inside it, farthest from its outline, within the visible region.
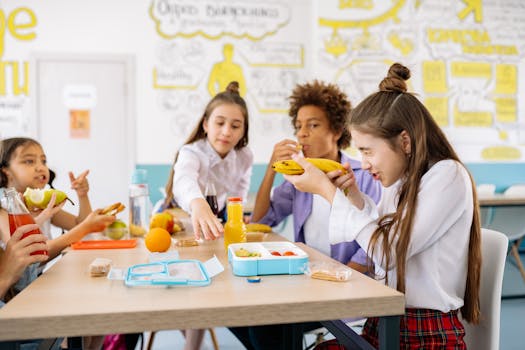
(164, 220)
(158, 240)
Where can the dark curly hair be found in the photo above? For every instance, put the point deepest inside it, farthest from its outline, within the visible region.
(330, 99)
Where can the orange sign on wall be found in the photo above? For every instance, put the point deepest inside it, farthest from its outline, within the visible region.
(79, 124)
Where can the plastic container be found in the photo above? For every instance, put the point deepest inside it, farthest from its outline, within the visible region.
(234, 229)
(267, 258)
(139, 204)
(168, 273)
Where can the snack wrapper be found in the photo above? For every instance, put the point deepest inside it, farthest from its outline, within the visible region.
(328, 271)
(100, 267)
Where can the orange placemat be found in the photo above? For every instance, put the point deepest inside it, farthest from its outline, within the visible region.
(105, 244)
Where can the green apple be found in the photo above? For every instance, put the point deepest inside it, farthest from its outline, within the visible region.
(116, 230)
(39, 198)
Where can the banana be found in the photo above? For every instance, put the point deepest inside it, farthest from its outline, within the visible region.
(288, 167)
(255, 227)
(291, 167)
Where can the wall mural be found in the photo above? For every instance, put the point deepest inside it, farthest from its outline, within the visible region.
(205, 44)
(462, 54)
(17, 25)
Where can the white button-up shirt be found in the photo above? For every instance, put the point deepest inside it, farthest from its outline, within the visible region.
(437, 257)
(198, 163)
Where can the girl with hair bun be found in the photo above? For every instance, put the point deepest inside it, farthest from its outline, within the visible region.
(215, 152)
(425, 233)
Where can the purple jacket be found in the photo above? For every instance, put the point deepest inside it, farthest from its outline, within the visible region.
(286, 200)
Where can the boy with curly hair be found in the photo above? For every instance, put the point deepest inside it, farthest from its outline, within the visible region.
(319, 114)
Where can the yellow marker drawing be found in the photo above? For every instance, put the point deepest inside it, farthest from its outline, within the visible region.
(472, 118)
(225, 72)
(471, 70)
(506, 111)
(472, 6)
(434, 76)
(335, 45)
(438, 108)
(405, 46)
(506, 79)
(501, 153)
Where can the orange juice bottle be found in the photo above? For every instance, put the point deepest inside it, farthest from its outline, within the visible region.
(234, 229)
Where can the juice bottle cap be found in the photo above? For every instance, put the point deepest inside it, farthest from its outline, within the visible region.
(234, 199)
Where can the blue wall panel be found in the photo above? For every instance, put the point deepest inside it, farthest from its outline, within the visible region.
(501, 174)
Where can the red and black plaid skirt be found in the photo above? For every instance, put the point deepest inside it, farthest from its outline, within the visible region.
(419, 329)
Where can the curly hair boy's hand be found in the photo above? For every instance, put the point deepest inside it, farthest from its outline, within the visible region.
(284, 149)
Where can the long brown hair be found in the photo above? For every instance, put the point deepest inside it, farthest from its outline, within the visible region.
(229, 96)
(386, 114)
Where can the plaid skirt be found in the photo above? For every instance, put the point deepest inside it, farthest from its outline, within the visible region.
(419, 329)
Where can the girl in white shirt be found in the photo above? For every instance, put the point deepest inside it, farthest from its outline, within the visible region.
(216, 152)
(425, 233)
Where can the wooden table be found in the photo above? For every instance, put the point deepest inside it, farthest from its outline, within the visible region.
(498, 200)
(66, 301)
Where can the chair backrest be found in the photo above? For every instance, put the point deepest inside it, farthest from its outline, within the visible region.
(485, 335)
(517, 190)
(509, 220)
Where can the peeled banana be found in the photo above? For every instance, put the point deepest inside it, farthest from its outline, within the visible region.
(291, 167)
(255, 227)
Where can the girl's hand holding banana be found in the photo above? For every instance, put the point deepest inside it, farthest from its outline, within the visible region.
(312, 180)
(347, 183)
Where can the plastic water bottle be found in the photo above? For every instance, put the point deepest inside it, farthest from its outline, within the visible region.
(139, 204)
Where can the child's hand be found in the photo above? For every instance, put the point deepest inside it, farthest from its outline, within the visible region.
(16, 257)
(312, 180)
(346, 182)
(205, 224)
(97, 222)
(50, 210)
(80, 184)
(284, 150)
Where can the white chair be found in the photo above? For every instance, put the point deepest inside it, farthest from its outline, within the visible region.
(485, 335)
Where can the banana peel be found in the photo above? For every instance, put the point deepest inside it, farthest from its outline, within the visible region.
(291, 167)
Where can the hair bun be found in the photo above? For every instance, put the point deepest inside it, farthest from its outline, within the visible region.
(233, 87)
(395, 79)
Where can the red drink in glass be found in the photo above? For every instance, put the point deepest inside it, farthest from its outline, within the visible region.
(17, 220)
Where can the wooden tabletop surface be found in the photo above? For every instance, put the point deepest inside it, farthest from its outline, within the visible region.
(500, 199)
(66, 301)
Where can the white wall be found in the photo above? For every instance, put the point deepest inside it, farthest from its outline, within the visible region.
(480, 111)
(164, 116)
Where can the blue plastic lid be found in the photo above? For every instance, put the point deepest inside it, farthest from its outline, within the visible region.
(139, 176)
